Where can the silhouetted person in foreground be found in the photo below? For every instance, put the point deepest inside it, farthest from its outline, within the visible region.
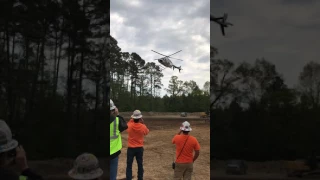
(13, 156)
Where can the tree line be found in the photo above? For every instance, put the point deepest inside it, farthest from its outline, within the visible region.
(53, 75)
(137, 84)
(58, 68)
(256, 116)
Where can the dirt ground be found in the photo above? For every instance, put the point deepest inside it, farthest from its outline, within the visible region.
(159, 151)
(158, 154)
(269, 170)
(163, 114)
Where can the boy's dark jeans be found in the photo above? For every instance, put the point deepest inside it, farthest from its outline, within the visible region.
(131, 153)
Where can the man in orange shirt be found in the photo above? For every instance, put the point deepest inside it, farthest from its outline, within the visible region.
(185, 145)
(136, 132)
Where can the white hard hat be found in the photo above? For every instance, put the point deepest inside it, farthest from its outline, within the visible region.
(136, 114)
(185, 126)
(6, 141)
(112, 106)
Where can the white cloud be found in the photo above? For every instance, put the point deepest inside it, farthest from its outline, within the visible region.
(135, 3)
(166, 26)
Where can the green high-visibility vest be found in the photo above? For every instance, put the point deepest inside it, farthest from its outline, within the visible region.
(23, 178)
(115, 137)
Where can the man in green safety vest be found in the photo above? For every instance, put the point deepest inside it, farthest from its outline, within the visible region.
(117, 125)
(12, 154)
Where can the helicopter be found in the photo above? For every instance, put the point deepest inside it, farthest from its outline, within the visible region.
(165, 61)
(222, 21)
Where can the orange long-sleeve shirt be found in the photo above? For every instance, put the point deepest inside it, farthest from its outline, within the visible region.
(136, 133)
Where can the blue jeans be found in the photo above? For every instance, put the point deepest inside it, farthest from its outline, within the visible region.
(114, 168)
(131, 153)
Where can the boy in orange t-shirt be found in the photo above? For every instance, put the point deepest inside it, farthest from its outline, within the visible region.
(136, 132)
(185, 145)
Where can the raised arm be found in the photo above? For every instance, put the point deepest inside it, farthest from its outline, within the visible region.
(122, 124)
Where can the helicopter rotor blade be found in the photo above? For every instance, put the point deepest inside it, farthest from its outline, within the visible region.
(166, 55)
(159, 53)
(174, 53)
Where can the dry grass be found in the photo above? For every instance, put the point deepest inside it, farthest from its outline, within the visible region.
(159, 151)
